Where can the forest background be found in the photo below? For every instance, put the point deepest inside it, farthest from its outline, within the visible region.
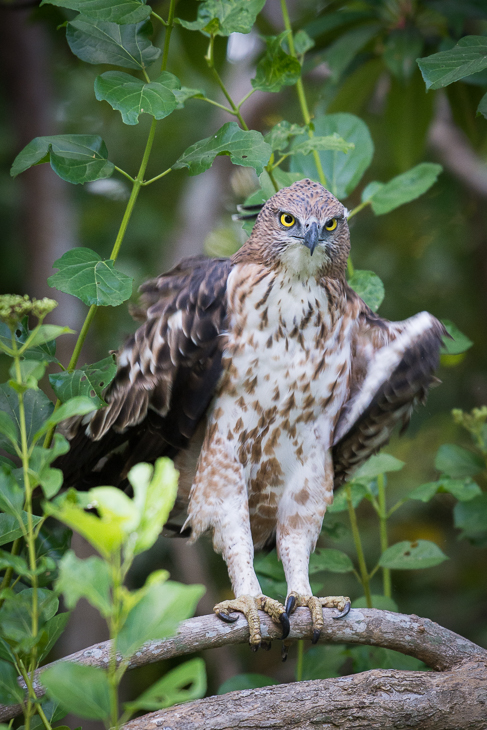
(430, 253)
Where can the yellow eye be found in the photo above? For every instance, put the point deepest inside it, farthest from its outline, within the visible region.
(287, 220)
(331, 224)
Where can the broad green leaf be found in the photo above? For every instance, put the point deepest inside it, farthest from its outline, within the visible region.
(16, 615)
(19, 564)
(269, 565)
(281, 134)
(6, 652)
(412, 555)
(424, 492)
(222, 17)
(105, 537)
(378, 465)
(115, 508)
(10, 528)
(402, 48)
(462, 489)
(31, 371)
(89, 381)
(341, 52)
(82, 690)
(323, 662)
(342, 172)
(8, 428)
(186, 682)
(468, 57)
(455, 461)
(302, 42)
(244, 148)
(53, 630)
(157, 615)
(40, 470)
(246, 681)
(45, 352)
(132, 96)
(155, 489)
(382, 602)
(282, 178)
(277, 68)
(47, 333)
(89, 578)
(78, 406)
(120, 45)
(334, 561)
(85, 275)
(76, 158)
(37, 409)
(115, 11)
(370, 190)
(404, 188)
(340, 503)
(482, 107)
(10, 691)
(365, 658)
(11, 495)
(184, 93)
(331, 142)
(369, 287)
(460, 342)
(471, 517)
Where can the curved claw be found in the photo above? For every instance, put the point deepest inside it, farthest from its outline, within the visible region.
(230, 619)
(286, 626)
(290, 604)
(284, 650)
(345, 611)
(316, 635)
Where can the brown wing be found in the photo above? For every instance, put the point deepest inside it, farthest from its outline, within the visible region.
(167, 373)
(394, 364)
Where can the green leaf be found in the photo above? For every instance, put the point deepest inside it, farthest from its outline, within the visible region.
(155, 489)
(471, 516)
(53, 630)
(82, 690)
(184, 93)
(482, 107)
(85, 275)
(340, 503)
(302, 42)
(19, 565)
(365, 658)
(369, 287)
(331, 142)
(460, 342)
(89, 578)
(378, 465)
(277, 68)
(131, 96)
(412, 555)
(10, 529)
(244, 148)
(341, 52)
(462, 489)
(384, 603)
(51, 480)
(11, 495)
(323, 662)
(115, 11)
(16, 615)
(10, 691)
(455, 461)
(157, 615)
(424, 492)
(45, 352)
(8, 428)
(37, 409)
(404, 188)
(281, 134)
(120, 45)
(246, 681)
(47, 333)
(223, 17)
(78, 406)
(342, 172)
(468, 57)
(31, 371)
(334, 561)
(89, 381)
(76, 158)
(173, 688)
(401, 49)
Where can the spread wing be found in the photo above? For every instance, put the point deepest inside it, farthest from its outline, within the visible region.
(393, 366)
(167, 373)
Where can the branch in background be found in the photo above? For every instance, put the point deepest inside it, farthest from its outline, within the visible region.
(438, 647)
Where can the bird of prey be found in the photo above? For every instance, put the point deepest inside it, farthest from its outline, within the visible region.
(269, 381)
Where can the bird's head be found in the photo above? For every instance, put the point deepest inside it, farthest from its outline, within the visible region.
(304, 229)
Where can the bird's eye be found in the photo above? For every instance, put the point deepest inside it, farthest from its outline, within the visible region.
(331, 224)
(287, 220)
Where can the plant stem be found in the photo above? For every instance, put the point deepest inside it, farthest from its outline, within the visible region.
(357, 209)
(384, 543)
(157, 177)
(220, 106)
(364, 576)
(211, 65)
(122, 172)
(242, 101)
(299, 663)
(301, 95)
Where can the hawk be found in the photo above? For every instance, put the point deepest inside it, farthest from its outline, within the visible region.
(269, 381)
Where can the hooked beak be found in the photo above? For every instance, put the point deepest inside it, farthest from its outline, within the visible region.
(311, 237)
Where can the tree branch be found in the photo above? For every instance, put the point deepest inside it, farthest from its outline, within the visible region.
(438, 647)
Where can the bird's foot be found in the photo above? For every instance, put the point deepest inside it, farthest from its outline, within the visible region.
(250, 606)
(315, 605)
